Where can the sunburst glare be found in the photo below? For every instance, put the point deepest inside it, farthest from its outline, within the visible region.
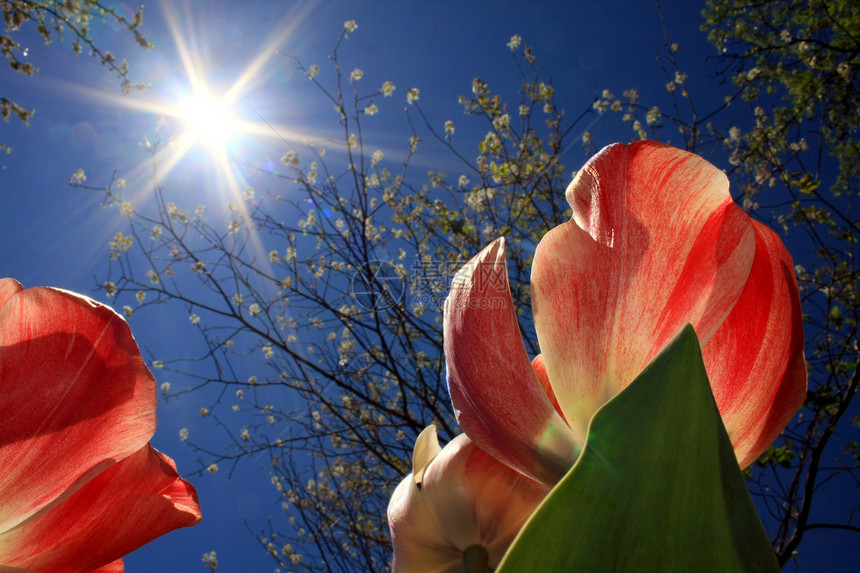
(208, 121)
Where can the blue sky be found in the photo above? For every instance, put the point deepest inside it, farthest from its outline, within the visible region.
(54, 235)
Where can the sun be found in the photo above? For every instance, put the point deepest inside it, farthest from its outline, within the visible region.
(208, 121)
(194, 118)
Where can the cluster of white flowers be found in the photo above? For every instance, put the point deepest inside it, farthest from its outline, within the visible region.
(412, 95)
(372, 181)
(356, 75)
(175, 212)
(78, 177)
(653, 116)
(120, 244)
(735, 133)
(210, 559)
(798, 146)
(387, 88)
(515, 42)
(479, 198)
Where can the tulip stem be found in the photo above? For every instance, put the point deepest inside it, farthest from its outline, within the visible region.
(476, 559)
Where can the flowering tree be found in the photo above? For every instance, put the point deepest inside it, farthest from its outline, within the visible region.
(320, 302)
(797, 63)
(53, 21)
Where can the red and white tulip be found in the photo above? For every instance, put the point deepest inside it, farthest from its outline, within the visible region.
(655, 242)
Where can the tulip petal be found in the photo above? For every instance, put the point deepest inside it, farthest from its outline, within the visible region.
(467, 498)
(77, 397)
(540, 371)
(755, 361)
(657, 487)
(8, 288)
(425, 451)
(418, 542)
(488, 365)
(126, 506)
(655, 242)
(114, 567)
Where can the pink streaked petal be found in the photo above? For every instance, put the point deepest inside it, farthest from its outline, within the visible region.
(540, 371)
(114, 567)
(655, 242)
(755, 361)
(129, 504)
(8, 288)
(488, 366)
(77, 397)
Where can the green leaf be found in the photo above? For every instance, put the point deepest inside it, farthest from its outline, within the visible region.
(657, 487)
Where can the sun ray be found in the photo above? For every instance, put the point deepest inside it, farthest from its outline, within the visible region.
(185, 108)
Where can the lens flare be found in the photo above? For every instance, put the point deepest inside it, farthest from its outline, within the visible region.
(208, 120)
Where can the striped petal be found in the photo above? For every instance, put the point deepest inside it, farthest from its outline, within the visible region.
(77, 397)
(497, 397)
(655, 243)
(126, 506)
(755, 360)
